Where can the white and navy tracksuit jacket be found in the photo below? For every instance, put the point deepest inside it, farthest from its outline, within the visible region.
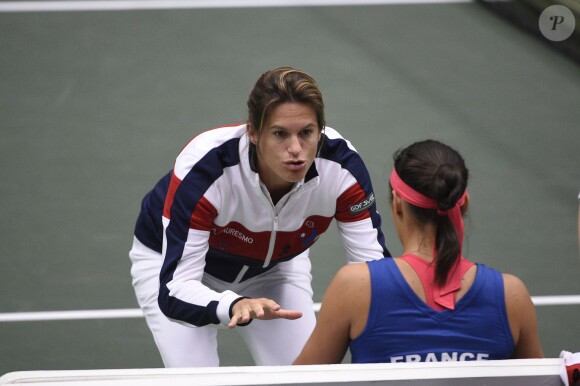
(219, 220)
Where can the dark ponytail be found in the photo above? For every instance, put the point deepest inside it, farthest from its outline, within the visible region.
(438, 172)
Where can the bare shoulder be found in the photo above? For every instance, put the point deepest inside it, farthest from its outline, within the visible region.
(522, 318)
(514, 286)
(517, 296)
(353, 270)
(348, 297)
(351, 281)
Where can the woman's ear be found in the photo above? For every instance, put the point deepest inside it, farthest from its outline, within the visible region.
(397, 204)
(252, 134)
(465, 206)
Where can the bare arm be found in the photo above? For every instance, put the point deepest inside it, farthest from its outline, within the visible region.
(522, 317)
(345, 305)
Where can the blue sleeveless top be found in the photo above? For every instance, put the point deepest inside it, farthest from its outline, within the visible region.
(403, 328)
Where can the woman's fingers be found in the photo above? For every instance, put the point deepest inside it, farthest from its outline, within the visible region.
(262, 308)
(289, 314)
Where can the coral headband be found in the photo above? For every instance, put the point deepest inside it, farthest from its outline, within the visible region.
(445, 296)
(415, 198)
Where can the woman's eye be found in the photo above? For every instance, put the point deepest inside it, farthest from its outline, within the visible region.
(280, 134)
(307, 133)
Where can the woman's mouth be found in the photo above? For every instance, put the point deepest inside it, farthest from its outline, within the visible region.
(295, 165)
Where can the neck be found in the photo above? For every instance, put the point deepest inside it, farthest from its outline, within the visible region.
(419, 243)
(427, 256)
(276, 188)
(276, 195)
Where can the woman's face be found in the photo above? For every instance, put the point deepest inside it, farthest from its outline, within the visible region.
(287, 145)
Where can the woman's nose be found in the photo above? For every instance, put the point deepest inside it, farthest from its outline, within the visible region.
(294, 146)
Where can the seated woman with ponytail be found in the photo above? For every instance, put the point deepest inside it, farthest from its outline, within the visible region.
(430, 304)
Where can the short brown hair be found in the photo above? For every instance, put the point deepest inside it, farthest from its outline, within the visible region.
(281, 85)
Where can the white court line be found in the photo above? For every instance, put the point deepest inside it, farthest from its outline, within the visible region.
(136, 312)
(65, 6)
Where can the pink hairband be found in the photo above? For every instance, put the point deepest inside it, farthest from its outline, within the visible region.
(415, 198)
(445, 296)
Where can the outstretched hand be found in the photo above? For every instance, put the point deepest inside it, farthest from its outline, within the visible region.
(264, 309)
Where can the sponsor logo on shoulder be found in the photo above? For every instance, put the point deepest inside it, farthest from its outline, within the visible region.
(362, 205)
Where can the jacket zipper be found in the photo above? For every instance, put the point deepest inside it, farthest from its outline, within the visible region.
(272, 242)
